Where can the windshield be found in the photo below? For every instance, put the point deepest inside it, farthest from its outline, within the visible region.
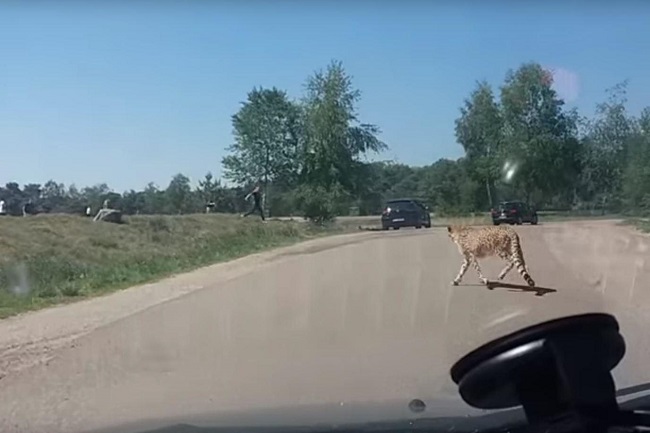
(194, 201)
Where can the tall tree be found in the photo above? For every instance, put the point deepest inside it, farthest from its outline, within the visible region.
(179, 193)
(335, 140)
(267, 133)
(54, 196)
(33, 192)
(71, 200)
(450, 188)
(479, 129)
(133, 202)
(539, 136)
(606, 145)
(154, 199)
(636, 175)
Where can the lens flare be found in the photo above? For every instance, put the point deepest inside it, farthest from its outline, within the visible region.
(509, 169)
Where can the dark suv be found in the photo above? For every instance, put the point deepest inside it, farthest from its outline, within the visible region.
(405, 212)
(514, 212)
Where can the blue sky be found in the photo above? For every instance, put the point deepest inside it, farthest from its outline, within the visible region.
(131, 92)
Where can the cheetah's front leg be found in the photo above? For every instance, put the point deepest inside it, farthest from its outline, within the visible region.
(463, 269)
(478, 270)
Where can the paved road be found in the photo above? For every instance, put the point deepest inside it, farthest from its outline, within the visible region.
(366, 317)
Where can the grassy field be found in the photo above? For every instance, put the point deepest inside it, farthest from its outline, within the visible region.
(51, 259)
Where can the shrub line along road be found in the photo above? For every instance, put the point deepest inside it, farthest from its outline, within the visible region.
(352, 318)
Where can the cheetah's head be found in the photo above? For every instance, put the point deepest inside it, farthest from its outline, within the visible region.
(454, 232)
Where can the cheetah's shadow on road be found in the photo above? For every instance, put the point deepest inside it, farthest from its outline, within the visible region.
(539, 291)
(521, 288)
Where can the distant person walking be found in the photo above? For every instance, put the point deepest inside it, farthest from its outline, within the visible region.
(28, 208)
(256, 193)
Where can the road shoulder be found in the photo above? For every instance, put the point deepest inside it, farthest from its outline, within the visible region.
(32, 338)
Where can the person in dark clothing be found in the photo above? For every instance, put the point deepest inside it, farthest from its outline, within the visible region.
(257, 201)
(28, 208)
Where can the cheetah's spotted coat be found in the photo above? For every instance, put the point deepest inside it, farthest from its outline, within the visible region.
(476, 243)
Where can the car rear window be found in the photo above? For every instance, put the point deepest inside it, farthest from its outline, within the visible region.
(401, 205)
(507, 206)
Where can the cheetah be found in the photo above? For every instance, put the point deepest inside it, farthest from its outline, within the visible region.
(475, 243)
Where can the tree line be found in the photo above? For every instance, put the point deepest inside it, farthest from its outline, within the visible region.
(520, 142)
(177, 198)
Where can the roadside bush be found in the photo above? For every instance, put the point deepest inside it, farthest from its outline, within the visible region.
(319, 204)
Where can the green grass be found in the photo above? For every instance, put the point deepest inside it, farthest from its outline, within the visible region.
(641, 224)
(52, 259)
(575, 215)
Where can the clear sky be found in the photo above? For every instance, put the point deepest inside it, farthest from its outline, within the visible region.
(131, 92)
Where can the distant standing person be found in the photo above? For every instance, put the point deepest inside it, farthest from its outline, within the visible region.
(88, 211)
(28, 208)
(3, 205)
(257, 201)
(106, 204)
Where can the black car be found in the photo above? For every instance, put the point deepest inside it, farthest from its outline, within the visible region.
(514, 212)
(405, 212)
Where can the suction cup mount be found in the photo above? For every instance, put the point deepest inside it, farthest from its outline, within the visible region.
(557, 369)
